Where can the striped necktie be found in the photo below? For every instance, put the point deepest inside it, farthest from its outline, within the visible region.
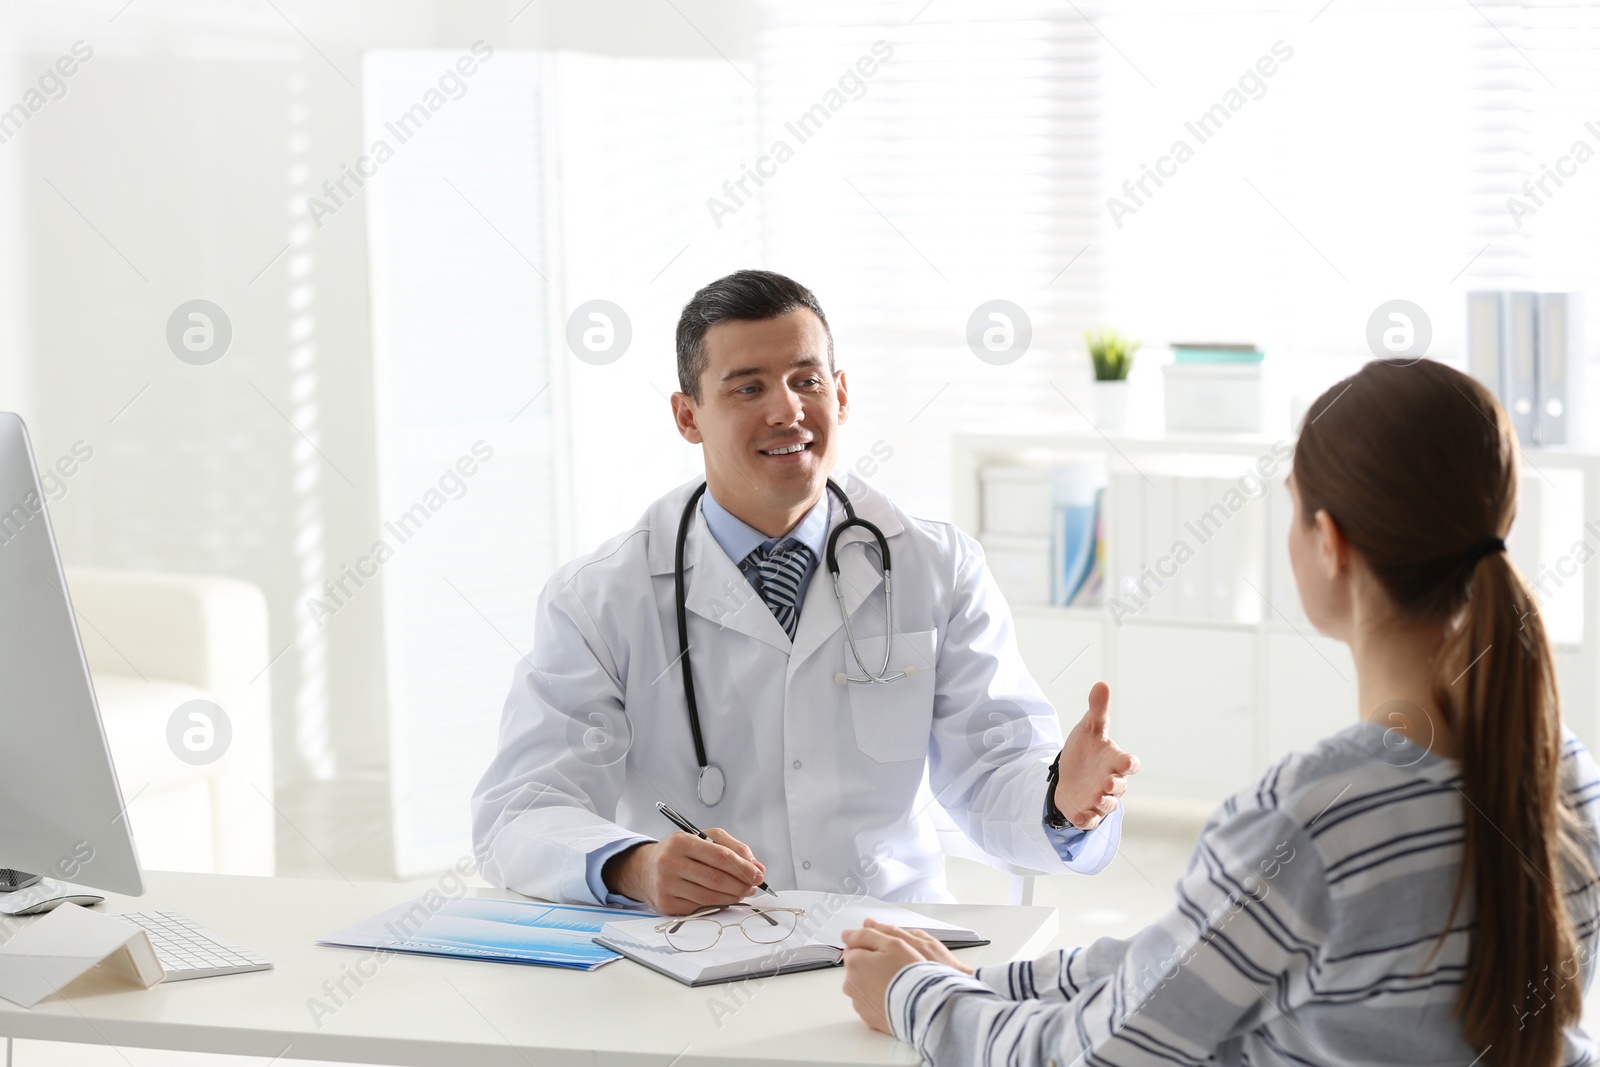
(781, 570)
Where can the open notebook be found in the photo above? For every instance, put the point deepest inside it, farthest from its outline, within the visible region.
(817, 940)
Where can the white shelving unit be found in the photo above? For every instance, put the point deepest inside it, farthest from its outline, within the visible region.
(1208, 704)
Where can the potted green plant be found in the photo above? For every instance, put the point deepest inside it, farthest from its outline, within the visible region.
(1112, 355)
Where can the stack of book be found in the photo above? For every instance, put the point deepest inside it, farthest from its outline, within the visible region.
(1216, 352)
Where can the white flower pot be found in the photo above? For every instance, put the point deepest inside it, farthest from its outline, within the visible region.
(1110, 403)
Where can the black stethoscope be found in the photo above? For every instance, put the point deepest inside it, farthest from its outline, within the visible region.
(712, 782)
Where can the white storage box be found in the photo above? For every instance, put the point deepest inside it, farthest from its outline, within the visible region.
(1016, 501)
(1021, 567)
(1216, 397)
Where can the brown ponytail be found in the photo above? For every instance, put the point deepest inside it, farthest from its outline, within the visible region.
(1417, 463)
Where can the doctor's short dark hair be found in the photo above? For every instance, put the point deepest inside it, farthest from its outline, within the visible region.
(744, 294)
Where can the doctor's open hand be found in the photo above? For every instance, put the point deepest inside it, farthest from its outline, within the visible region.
(1093, 770)
(682, 872)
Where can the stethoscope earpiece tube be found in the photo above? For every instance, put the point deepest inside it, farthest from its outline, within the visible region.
(683, 629)
(883, 675)
(851, 521)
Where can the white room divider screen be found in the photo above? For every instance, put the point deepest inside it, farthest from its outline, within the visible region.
(470, 436)
(482, 248)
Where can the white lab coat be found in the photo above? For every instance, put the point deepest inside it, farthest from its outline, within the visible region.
(823, 777)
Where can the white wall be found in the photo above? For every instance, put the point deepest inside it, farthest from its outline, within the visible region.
(181, 156)
(14, 288)
(164, 175)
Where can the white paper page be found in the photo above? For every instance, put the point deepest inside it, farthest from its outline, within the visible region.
(829, 924)
(821, 925)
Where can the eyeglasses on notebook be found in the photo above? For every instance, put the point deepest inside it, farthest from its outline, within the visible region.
(698, 930)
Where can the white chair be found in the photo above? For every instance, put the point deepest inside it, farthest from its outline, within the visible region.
(953, 842)
(155, 642)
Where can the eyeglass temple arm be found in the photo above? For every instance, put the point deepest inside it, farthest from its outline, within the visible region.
(675, 927)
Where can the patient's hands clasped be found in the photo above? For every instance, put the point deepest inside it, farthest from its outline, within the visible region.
(876, 953)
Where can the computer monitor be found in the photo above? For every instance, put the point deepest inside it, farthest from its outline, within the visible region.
(61, 809)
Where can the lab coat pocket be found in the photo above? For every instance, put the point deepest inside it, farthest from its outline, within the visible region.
(893, 719)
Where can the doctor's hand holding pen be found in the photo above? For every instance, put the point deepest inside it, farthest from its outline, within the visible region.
(1092, 771)
(682, 872)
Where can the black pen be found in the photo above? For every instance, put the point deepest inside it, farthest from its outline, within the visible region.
(690, 828)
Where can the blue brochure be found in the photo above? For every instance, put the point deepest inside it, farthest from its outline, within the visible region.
(506, 931)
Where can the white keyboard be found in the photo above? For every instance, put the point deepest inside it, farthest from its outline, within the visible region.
(188, 950)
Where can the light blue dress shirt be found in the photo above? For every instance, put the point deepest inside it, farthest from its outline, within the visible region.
(1066, 841)
(738, 539)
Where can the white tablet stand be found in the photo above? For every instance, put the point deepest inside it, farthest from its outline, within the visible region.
(66, 943)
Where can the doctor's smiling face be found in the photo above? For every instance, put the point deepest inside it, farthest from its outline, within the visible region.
(764, 401)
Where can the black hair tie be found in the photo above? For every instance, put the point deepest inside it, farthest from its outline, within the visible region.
(1481, 549)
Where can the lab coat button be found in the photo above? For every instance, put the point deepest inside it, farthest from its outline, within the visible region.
(806, 865)
(797, 765)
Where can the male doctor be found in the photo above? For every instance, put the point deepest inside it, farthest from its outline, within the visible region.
(810, 772)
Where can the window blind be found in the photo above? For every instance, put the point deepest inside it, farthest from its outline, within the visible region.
(642, 144)
(1373, 163)
(963, 169)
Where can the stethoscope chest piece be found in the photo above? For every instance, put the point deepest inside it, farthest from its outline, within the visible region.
(712, 784)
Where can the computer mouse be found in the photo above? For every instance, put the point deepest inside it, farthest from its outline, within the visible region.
(46, 895)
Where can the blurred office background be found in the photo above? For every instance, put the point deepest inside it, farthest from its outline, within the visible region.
(401, 213)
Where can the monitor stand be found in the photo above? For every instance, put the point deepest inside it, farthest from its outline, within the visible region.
(12, 880)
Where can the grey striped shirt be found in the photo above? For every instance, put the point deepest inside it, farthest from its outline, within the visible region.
(1305, 932)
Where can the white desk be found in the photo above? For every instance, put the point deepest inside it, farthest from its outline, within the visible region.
(426, 1012)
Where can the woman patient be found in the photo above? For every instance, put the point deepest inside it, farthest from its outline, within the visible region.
(1417, 889)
